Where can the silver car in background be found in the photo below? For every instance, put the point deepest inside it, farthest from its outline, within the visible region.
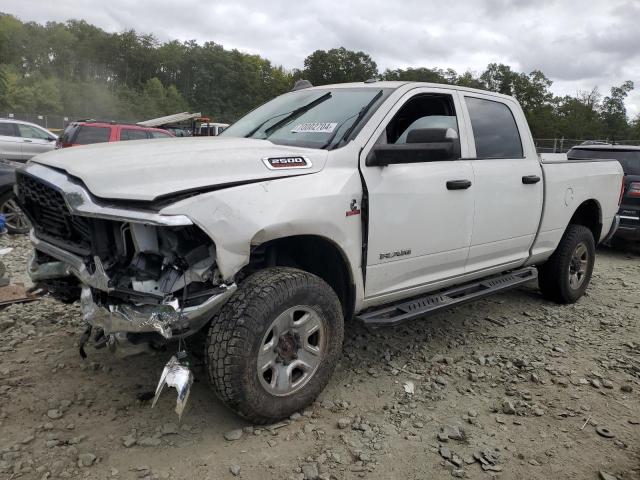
(19, 141)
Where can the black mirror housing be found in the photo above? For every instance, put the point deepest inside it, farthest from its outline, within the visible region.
(423, 145)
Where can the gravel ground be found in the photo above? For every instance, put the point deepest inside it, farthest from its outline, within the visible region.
(511, 387)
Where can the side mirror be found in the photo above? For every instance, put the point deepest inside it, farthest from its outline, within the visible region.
(423, 145)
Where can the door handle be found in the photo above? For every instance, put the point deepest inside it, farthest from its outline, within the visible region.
(529, 179)
(27, 140)
(458, 184)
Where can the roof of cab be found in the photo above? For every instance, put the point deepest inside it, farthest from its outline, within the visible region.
(399, 84)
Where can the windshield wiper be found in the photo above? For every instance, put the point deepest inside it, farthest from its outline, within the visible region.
(296, 113)
(363, 111)
(289, 116)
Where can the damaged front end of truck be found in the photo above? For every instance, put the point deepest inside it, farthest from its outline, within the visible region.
(144, 279)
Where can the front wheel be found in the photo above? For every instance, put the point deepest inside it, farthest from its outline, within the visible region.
(566, 275)
(15, 218)
(274, 345)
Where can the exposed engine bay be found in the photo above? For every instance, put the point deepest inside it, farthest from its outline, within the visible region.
(139, 283)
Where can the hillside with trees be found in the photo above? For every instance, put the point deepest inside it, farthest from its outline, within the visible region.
(80, 70)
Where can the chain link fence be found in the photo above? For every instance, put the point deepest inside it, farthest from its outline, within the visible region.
(50, 122)
(563, 145)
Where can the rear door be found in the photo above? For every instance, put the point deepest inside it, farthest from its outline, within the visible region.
(508, 183)
(10, 142)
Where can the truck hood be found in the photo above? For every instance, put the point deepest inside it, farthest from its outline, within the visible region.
(147, 169)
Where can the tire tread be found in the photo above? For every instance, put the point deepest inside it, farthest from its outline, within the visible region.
(232, 331)
(551, 280)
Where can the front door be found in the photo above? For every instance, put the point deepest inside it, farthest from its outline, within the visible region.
(420, 214)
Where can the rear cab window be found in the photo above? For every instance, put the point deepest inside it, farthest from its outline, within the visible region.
(132, 134)
(494, 128)
(88, 134)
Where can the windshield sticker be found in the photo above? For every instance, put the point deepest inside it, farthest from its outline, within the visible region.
(317, 127)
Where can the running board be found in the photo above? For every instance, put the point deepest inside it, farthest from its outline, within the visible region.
(422, 306)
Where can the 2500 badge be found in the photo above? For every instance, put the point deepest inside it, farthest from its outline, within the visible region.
(281, 163)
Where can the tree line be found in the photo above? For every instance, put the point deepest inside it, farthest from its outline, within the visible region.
(77, 69)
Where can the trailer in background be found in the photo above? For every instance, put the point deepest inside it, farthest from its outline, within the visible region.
(187, 124)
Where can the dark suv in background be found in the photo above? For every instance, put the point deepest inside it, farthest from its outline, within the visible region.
(629, 158)
(92, 131)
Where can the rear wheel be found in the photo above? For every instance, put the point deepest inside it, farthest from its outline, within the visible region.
(15, 218)
(274, 345)
(566, 275)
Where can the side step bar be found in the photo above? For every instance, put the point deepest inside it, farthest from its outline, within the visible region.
(422, 306)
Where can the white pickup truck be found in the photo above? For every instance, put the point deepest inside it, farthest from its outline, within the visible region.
(379, 201)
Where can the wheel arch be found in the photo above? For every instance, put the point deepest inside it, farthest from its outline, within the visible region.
(315, 254)
(589, 214)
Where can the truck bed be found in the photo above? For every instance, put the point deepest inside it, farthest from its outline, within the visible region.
(565, 189)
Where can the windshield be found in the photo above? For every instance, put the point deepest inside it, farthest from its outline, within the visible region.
(318, 118)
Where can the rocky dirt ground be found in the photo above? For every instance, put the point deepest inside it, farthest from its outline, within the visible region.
(511, 387)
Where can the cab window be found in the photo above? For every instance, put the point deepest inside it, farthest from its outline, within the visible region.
(132, 134)
(87, 135)
(156, 134)
(27, 131)
(494, 129)
(8, 129)
(424, 111)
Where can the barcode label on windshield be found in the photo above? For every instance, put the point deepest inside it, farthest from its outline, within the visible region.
(318, 127)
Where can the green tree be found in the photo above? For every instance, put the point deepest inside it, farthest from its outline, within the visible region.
(12, 39)
(422, 74)
(578, 117)
(614, 112)
(338, 65)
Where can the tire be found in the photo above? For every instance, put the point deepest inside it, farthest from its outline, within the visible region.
(16, 220)
(566, 275)
(269, 319)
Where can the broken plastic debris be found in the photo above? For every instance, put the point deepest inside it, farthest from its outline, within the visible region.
(176, 374)
(409, 387)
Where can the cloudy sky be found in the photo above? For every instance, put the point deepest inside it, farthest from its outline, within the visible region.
(578, 44)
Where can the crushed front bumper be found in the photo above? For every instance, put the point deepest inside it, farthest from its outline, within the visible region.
(165, 319)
